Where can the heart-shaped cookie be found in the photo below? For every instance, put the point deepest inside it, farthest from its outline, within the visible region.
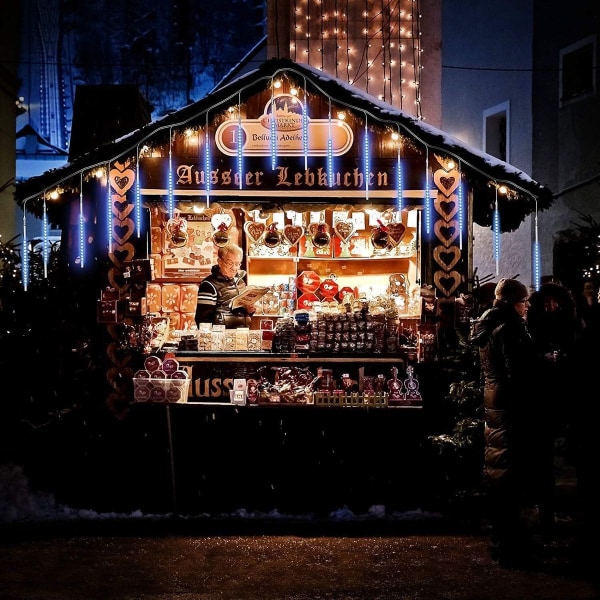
(446, 207)
(446, 232)
(254, 230)
(123, 230)
(221, 219)
(395, 233)
(121, 181)
(447, 283)
(446, 181)
(292, 233)
(447, 258)
(344, 230)
(121, 209)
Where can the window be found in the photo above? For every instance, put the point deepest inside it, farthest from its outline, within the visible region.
(496, 128)
(578, 70)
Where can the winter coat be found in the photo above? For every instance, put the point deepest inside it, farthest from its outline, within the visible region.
(508, 367)
(215, 294)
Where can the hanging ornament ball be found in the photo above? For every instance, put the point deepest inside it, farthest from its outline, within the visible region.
(379, 238)
(220, 238)
(179, 238)
(321, 238)
(272, 237)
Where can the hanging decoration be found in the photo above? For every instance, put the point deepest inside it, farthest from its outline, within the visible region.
(25, 253)
(138, 196)
(109, 223)
(305, 127)
(329, 148)
(461, 210)
(427, 199)
(496, 227)
(220, 236)
(45, 243)
(273, 130)
(240, 143)
(170, 200)
(379, 237)
(272, 237)
(367, 158)
(81, 224)
(207, 165)
(399, 178)
(537, 263)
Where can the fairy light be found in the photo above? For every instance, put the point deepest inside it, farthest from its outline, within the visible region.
(170, 198)
(496, 226)
(461, 208)
(537, 261)
(305, 127)
(273, 132)
(81, 225)
(25, 253)
(329, 148)
(399, 178)
(207, 164)
(108, 210)
(138, 196)
(427, 198)
(367, 158)
(45, 243)
(240, 141)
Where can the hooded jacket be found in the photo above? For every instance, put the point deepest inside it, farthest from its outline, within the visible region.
(508, 367)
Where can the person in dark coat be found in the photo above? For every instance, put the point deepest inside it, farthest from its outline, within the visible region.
(217, 290)
(508, 368)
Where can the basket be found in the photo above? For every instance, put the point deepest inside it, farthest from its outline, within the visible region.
(359, 400)
(161, 390)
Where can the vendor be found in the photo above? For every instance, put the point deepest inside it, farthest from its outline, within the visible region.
(217, 290)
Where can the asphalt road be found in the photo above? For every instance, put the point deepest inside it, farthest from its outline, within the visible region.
(249, 560)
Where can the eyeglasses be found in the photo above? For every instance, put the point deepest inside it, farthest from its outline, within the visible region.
(231, 264)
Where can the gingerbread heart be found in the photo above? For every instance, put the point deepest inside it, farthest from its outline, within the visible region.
(447, 258)
(395, 233)
(446, 232)
(254, 230)
(121, 181)
(344, 230)
(292, 233)
(447, 283)
(446, 181)
(121, 209)
(221, 219)
(446, 207)
(123, 231)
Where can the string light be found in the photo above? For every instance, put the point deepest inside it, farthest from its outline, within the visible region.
(496, 227)
(367, 157)
(273, 132)
(207, 163)
(108, 209)
(81, 226)
(138, 196)
(537, 261)
(461, 208)
(45, 243)
(427, 198)
(25, 253)
(305, 127)
(329, 148)
(240, 143)
(399, 178)
(170, 198)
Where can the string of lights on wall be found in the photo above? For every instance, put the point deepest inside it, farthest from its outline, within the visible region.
(377, 40)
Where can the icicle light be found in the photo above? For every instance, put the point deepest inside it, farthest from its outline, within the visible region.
(537, 262)
(45, 241)
(108, 210)
(367, 158)
(170, 199)
(461, 208)
(25, 252)
(207, 164)
(240, 143)
(305, 127)
(81, 225)
(273, 132)
(329, 148)
(497, 234)
(399, 179)
(138, 196)
(427, 199)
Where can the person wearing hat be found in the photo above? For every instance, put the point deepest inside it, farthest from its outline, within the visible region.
(508, 367)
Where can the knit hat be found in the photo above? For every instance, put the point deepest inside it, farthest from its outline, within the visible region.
(511, 291)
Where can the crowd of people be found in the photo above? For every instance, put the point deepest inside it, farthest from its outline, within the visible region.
(538, 353)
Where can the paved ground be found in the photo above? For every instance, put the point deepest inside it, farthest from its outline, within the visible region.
(276, 560)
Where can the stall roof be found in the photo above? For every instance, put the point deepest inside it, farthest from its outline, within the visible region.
(480, 169)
